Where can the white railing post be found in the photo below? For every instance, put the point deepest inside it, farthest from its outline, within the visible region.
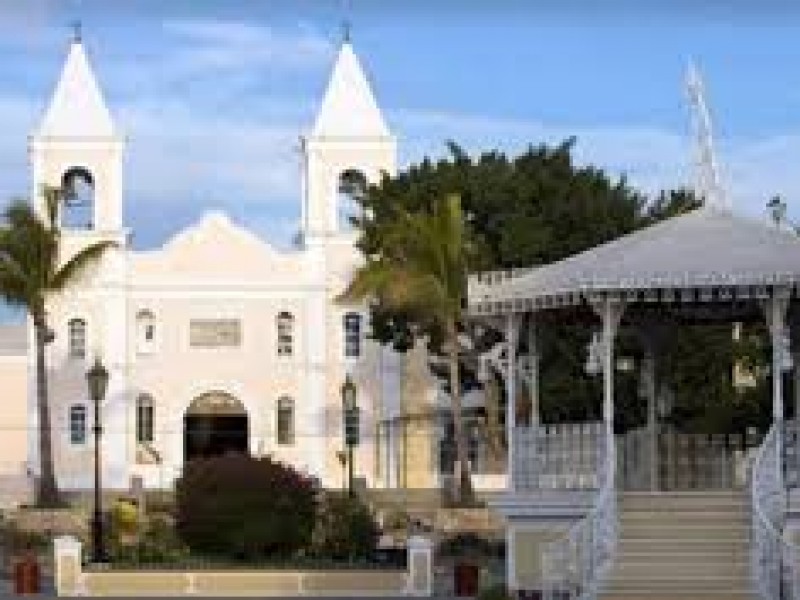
(420, 566)
(67, 550)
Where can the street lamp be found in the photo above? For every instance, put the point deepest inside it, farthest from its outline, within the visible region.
(97, 379)
(351, 417)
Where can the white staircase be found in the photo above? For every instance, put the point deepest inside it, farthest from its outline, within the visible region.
(681, 545)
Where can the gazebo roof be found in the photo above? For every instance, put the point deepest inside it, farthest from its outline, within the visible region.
(704, 254)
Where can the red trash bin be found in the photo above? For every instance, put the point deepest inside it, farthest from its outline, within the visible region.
(26, 575)
(467, 580)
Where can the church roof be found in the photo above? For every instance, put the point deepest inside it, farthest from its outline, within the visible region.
(77, 108)
(704, 249)
(349, 108)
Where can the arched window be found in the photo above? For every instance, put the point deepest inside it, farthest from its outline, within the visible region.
(285, 418)
(351, 189)
(77, 424)
(352, 335)
(145, 418)
(77, 338)
(285, 326)
(145, 332)
(78, 209)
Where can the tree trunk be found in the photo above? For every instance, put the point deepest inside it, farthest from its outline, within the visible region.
(466, 493)
(47, 493)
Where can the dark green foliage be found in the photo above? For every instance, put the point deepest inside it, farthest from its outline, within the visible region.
(537, 208)
(244, 508)
(345, 529)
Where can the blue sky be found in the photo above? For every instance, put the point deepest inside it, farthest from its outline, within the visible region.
(214, 94)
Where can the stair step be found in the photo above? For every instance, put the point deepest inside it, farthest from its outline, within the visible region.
(679, 545)
(676, 557)
(679, 595)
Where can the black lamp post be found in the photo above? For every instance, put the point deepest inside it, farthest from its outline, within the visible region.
(97, 378)
(351, 417)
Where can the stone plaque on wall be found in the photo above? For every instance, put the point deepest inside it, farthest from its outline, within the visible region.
(215, 333)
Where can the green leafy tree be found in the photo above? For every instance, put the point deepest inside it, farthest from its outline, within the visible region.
(531, 209)
(33, 269)
(419, 270)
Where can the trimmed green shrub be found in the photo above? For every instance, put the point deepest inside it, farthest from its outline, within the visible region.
(494, 592)
(346, 529)
(244, 508)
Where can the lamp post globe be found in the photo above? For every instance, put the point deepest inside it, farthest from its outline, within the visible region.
(97, 381)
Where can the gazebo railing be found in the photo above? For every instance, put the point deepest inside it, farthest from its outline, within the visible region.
(575, 563)
(564, 456)
(775, 560)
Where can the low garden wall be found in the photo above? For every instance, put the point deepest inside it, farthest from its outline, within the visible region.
(72, 578)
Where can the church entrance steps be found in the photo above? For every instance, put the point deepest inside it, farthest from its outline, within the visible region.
(681, 545)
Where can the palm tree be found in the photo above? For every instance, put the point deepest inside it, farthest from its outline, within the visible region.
(421, 271)
(32, 270)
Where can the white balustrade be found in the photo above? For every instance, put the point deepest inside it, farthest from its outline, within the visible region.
(775, 561)
(575, 563)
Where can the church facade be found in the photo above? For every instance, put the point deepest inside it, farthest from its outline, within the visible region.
(217, 341)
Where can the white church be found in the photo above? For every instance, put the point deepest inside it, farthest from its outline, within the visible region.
(216, 341)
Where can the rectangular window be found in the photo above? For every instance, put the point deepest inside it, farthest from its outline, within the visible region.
(144, 419)
(77, 424)
(77, 338)
(285, 326)
(215, 333)
(352, 335)
(285, 421)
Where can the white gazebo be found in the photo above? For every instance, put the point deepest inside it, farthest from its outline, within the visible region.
(708, 265)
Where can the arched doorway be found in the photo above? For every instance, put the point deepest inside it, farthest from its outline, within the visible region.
(215, 423)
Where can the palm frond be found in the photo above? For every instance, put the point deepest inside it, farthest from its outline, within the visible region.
(77, 264)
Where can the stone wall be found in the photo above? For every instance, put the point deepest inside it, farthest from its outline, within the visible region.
(73, 579)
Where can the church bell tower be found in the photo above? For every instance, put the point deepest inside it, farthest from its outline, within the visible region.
(78, 148)
(349, 145)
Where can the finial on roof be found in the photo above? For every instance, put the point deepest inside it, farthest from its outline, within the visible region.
(77, 33)
(707, 180)
(346, 23)
(346, 26)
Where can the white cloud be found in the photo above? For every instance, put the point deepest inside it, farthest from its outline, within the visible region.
(224, 44)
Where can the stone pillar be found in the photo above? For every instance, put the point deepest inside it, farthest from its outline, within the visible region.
(67, 566)
(420, 567)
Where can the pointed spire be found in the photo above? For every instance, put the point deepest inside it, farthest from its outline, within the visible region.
(77, 108)
(349, 108)
(707, 180)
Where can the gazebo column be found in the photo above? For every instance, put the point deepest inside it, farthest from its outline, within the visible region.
(775, 311)
(532, 373)
(610, 310)
(512, 336)
(649, 388)
(794, 337)
(653, 335)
